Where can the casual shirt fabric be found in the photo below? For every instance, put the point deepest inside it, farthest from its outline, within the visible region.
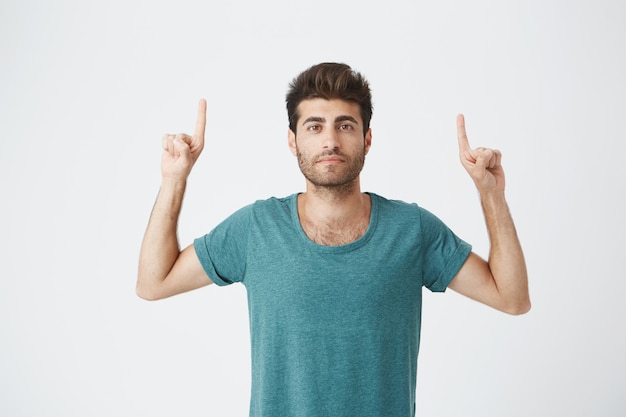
(335, 330)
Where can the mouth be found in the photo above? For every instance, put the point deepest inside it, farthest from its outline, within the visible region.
(330, 160)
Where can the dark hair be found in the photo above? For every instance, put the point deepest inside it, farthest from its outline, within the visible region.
(329, 81)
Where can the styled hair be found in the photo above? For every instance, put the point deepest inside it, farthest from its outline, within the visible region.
(329, 81)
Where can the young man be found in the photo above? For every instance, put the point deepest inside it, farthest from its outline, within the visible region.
(333, 275)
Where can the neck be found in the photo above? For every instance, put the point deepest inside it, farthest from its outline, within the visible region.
(333, 203)
(334, 195)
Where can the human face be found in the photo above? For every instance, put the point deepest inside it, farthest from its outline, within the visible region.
(330, 143)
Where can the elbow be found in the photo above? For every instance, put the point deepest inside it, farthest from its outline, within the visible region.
(519, 308)
(145, 293)
(144, 296)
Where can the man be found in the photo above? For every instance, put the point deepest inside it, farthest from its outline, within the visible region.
(333, 275)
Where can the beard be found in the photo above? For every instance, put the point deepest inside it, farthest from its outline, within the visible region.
(331, 176)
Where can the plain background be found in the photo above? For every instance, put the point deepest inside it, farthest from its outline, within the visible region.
(87, 89)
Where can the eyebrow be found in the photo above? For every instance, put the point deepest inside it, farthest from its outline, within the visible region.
(346, 118)
(338, 119)
(314, 119)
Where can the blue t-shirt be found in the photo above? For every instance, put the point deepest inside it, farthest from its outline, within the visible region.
(335, 330)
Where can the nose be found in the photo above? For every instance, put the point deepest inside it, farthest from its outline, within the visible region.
(331, 139)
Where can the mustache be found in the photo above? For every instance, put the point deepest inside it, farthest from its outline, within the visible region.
(330, 152)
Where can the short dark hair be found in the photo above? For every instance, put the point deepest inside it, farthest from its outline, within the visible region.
(329, 81)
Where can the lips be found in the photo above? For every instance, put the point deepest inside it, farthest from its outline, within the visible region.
(330, 159)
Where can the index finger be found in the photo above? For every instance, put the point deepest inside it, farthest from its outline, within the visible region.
(461, 134)
(201, 120)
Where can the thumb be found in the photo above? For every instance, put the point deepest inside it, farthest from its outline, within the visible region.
(182, 151)
(483, 158)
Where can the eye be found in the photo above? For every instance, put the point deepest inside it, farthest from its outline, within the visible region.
(345, 127)
(314, 128)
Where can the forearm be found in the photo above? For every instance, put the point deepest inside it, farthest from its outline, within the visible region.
(506, 258)
(160, 247)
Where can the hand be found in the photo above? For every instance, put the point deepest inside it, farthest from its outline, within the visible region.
(181, 151)
(482, 164)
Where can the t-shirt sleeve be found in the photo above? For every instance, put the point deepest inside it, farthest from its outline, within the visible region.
(444, 252)
(223, 251)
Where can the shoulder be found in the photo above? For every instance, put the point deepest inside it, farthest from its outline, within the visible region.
(410, 213)
(273, 203)
(268, 205)
(274, 206)
(398, 209)
(391, 202)
(270, 211)
(259, 215)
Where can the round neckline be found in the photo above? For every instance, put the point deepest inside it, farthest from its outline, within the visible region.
(341, 248)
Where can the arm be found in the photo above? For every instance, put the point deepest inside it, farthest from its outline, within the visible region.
(501, 282)
(164, 270)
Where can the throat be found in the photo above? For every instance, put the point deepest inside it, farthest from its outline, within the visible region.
(335, 225)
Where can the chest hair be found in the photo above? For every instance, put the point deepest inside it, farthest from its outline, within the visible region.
(335, 234)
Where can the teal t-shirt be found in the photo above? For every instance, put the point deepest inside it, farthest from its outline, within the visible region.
(335, 330)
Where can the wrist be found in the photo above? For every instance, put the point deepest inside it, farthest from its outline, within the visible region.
(173, 183)
(172, 191)
(493, 199)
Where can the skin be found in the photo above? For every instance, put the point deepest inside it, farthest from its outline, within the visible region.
(331, 146)
(164, 270)
(502, 281)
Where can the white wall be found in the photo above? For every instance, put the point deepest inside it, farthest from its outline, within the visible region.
(88, 88)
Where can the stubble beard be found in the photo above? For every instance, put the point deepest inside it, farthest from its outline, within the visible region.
(337, 179)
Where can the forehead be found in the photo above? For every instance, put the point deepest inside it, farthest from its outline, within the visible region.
(328, 109)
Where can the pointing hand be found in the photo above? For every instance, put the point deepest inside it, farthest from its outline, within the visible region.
(181, 151)
(482, 164)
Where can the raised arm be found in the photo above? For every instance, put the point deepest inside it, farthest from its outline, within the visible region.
(163, 269)
(501, 282)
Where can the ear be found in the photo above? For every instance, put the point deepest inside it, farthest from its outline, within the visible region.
(368, 140)
(291, 141)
